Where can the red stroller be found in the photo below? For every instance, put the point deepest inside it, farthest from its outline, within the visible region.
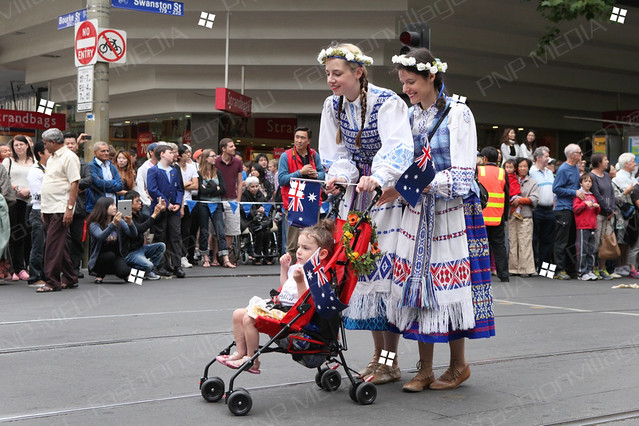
(311, 339)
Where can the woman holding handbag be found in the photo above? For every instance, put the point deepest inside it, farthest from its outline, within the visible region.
(605, 195)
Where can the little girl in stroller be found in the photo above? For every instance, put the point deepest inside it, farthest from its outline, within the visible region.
(293, 286)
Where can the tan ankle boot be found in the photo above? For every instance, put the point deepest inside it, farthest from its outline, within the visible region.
(451, 378)
(423, 378)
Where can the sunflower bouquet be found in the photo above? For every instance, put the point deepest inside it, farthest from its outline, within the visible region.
(362, 263)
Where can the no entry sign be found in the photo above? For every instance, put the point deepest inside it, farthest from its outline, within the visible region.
(86, 38)
(112, 46)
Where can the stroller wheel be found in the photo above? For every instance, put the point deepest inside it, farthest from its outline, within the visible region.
(331, 380)
(352, 390)
(318, 377)
(213, 389)
(240, 402)
(366, 393)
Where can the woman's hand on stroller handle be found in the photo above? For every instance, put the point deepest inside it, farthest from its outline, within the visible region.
(332, 185)
(367, 184)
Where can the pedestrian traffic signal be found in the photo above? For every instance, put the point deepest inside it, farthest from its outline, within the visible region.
(415, 35)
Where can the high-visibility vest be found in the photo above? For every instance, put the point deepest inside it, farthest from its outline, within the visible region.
(494, 180)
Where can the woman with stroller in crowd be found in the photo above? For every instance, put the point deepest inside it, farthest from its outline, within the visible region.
(107, 229)
(18, 165)
(255, 218)
(211, 188)
(293, 284)
(365, 139)
(453, 282)
(265, 186)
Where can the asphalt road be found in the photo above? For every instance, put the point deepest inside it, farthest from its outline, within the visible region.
(123, 354)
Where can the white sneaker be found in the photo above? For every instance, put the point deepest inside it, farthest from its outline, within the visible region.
(584, 277)
(615, 275)
(185, 263)
(592, 276)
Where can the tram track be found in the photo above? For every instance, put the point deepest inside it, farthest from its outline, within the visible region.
(623, 415)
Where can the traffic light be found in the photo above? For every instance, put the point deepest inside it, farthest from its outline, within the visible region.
(415, 35)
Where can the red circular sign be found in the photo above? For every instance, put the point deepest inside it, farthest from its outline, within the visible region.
(111, 45)
(85, 42)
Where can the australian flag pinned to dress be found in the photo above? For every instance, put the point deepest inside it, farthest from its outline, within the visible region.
(303, 203)
(417, 177)
(327, 304)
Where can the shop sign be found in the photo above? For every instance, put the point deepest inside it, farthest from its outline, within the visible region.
(275, 128)
(32, 120)
(231, 101)
(277, 152)
(144, 140)
(599, 144)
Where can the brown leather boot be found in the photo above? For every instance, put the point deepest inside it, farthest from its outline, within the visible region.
(422, 380)
(451, 378)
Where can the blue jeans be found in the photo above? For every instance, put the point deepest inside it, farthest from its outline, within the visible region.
(146, 257)
(218, 224)
(38, 236)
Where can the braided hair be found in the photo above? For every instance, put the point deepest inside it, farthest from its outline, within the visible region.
(363, 92)
(423, 55)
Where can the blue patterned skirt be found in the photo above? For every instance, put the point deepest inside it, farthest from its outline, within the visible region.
(480, 276)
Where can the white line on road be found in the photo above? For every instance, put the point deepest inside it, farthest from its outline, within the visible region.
(138, 314)
(563, 308)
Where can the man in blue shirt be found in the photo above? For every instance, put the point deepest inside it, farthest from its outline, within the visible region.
(566, 188)
(105, 179)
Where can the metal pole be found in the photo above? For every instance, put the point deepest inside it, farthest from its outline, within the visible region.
(98, 128)
(242, 87)
(226, 56)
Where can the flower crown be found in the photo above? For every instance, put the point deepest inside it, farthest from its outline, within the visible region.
(336, 52)
(362, 263)
(408, 61)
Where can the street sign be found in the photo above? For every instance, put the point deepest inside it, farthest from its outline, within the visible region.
(70, 19)
(85, 88)
(164, 7)
(112, 46)
(86, 37)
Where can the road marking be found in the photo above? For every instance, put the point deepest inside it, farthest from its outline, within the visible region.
(138, 314)
(563, 308)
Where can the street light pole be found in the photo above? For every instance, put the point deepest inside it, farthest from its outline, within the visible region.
(98, 128)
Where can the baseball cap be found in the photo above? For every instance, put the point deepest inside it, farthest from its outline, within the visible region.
(197, 154)
(151, 147)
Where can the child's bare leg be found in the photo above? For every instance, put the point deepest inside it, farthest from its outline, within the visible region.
(238, 333)
(252, 337)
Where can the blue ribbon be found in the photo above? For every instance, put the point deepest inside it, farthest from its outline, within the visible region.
(212, 207)
(190, 204)
(233, 205)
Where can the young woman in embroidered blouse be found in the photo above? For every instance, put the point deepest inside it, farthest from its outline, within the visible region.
(365, 139)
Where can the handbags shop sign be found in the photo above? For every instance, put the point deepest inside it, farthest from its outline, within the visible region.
(31, 120)
(233, 102)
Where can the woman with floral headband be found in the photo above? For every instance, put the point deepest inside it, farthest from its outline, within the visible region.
(365, 140)
(445, 295)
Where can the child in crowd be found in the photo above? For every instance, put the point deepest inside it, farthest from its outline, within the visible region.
(510, 166)
(293, 284)
(586, 212)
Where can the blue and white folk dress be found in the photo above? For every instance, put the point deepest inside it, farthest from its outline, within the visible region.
(386, 151)
(443, 244)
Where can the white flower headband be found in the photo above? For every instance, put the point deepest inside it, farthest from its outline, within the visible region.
(434, 68)
(335, 52)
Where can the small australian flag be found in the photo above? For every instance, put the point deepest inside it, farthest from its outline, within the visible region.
(417, 177)
(327, 304)
(303, 203)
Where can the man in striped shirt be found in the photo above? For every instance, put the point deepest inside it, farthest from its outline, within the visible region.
(543, 216)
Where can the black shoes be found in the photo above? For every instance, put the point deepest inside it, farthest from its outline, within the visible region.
(179, 273)
(163, 272)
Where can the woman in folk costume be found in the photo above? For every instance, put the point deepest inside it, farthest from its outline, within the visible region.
(441, 290)
(365, 139)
